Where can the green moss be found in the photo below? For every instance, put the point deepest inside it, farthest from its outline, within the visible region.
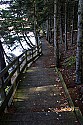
(69, 62)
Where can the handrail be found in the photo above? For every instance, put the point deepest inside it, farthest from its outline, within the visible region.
(18, 64)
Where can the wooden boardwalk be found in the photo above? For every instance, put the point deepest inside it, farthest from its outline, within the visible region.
(40, 97)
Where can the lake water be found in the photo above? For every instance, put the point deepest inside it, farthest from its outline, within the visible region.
(16, 49)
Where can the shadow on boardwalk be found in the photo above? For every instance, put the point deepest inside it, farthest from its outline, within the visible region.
(40, 98)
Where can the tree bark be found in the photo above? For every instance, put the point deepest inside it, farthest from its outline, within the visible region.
(72, 26)
(29, 40)
(66, 46)
(56, 47)
(61, 30)
(79, 53)
(49, 39)
(34, 18)
(47, 29)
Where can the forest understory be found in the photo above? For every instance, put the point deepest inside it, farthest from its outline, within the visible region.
(67, 68)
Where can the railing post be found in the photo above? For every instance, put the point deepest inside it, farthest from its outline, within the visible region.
(18, 69)
(32, 53)
(26, 56)
(41, 47)
(37, 40)
(2, 90)
(38, 49)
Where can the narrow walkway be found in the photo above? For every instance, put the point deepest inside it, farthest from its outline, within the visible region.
(40, 98)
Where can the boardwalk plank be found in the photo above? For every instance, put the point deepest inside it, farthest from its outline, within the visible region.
(40, 97)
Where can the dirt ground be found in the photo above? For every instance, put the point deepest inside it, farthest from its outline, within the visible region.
(67, 69)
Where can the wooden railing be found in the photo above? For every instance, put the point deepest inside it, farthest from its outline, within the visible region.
(15, 68)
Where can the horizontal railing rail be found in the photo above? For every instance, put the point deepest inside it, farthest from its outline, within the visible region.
(15, 68)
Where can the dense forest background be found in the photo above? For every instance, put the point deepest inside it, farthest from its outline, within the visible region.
(60, 21)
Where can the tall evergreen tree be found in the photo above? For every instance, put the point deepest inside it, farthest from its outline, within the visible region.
(79, 53)
(56, 46)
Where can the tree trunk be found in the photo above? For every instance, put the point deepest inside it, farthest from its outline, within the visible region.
(24, 33)
(72, 26)
(29, 40)
(79, 54)
(26, 40)
(20, 40)
(34, 18)
(49, 39)
(35, 25)
(56, 47)
(61, 30)
(47, 29)
(66, 46)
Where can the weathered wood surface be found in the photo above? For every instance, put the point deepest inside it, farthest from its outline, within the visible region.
(17, 66)
(40, 97)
